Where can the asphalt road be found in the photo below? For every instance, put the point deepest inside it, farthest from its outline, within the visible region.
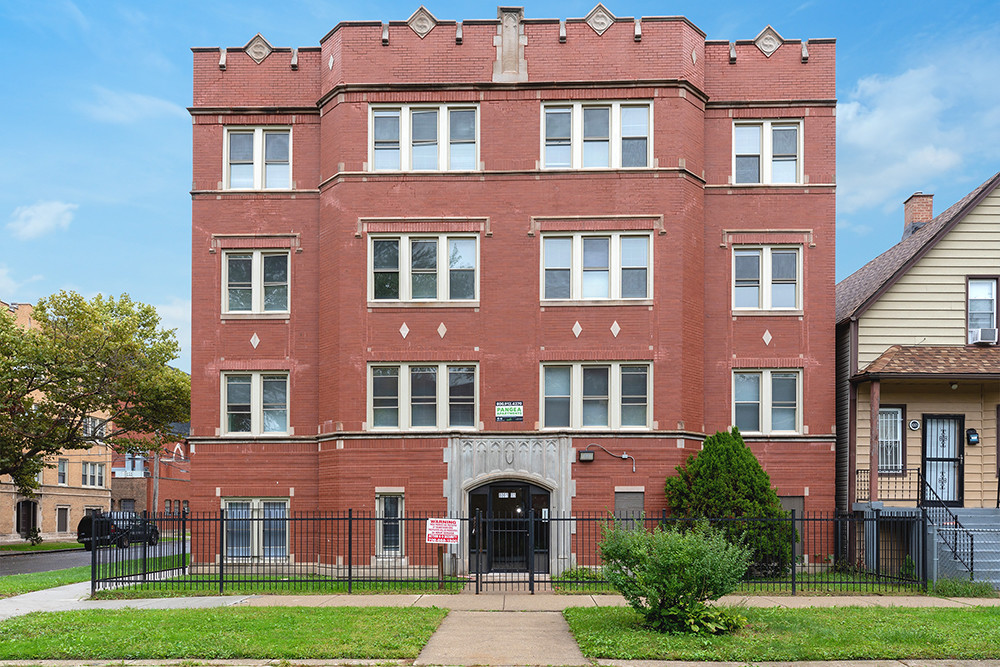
(23, 563)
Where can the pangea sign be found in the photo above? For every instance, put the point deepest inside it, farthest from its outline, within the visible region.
(442, 531)
(510, 411)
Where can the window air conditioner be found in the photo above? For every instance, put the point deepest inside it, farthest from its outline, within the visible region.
(984, 336)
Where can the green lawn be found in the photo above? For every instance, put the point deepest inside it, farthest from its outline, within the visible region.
(44, 546)
(281, 633)
(18, 584)
(776, 634)
(190, 588)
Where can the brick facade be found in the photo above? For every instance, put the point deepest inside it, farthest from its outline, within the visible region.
(686, 333)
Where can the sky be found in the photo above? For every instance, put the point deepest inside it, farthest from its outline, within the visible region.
(96, 150)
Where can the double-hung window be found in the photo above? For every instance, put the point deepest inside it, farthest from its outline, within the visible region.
(766, 278)
(63, 471)
(599, 135)
(92, 474)
(613, 395)
(255, 281)
(255, 403)
(982, 309)
(389, 517)
(767, 152)
(890, 440)
(424, 138)
(414, 267)
(422, 396)
(258, 158)
(612, 265)
(256, 528)
(767, 401)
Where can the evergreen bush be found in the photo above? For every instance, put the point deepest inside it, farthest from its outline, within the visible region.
(725, 481)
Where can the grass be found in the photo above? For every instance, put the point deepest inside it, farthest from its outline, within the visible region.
(963, 588)
(43, 546)
(778, 634)
(180, 588)
(280, 633)
(19, 584)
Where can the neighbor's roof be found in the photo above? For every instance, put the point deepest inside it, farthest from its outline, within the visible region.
(940, 361)
(857, 291)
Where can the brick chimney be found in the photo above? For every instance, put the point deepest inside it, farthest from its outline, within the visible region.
(918, 210)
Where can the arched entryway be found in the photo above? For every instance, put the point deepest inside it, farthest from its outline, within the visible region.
(27, 517)
(510, 527)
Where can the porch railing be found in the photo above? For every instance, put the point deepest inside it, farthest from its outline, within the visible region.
(947, 526)
(893, 485)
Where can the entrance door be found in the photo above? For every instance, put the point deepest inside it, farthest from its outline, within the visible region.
(944, 459)
(515, 526)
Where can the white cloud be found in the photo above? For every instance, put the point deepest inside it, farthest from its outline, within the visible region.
(176, 314)
(9, 287)
(29, 222)
(122, 108)
(897, 134)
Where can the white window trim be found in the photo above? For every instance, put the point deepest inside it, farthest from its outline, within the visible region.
(256, 404)
(258, 156)
(766, 277)
(94, 474)
(257, 284)
(62, 470)
(968, 305)
(765, 403)
(614, 395)
(614, 132)
(884, 443)
(405, 272)
(257, 530)
(766, 150)
(614, 270)
(381, 552)
(405, 142)
(442, 399)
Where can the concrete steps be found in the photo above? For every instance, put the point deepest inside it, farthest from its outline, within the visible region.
(984, 526)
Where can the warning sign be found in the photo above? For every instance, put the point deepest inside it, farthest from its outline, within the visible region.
(442, 531)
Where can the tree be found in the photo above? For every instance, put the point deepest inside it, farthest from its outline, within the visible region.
(725, 481)
(104, 357)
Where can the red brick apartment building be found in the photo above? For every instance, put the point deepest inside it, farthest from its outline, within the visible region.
(439, 265)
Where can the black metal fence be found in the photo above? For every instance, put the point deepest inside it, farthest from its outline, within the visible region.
(272, 550)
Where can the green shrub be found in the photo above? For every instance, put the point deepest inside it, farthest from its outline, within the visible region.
(667, 575)
(34, 537)
(725, 481)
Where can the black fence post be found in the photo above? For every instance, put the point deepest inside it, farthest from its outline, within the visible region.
(878, 550)
(479, 550)
(792, 537)
(350, 548)
(222, 547)
(924, 557)
(531, 553)
(184, 565)
(94, 525)
(972, 557)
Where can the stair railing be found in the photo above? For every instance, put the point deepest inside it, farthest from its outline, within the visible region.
(949, 529)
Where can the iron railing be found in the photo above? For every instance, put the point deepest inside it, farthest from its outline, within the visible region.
(948, 527)
(270, 551)
(896, 485)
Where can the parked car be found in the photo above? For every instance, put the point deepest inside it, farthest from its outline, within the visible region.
(118, 528)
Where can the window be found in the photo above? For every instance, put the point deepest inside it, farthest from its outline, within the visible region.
(127, 504)
(767, 152)
(256, 528)
(258, 159)
(424, 138)
(135, 465)
(596, 136)
(184, 507)
(167, 506)
(92, 427)
(424, 268)
(610, 395)
(766, 401)
(428, 396)
(389, 533)
(766, 278)
(93, 474)
(982, 306)
(614, 265)
(255, 281)
(255, 403)
(62, 471)
(890, 440)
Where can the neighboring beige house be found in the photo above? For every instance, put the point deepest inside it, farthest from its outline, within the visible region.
(917, 349)
(75, 483)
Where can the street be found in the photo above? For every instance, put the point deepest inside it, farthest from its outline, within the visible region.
(23, 563)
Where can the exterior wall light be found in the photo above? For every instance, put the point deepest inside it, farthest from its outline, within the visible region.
(585, 456)
(971, 436)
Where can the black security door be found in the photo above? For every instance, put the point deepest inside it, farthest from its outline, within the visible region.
(514, 524)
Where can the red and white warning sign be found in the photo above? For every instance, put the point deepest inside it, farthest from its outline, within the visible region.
(442, 531)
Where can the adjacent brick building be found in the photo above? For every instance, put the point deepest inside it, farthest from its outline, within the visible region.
(435, 261)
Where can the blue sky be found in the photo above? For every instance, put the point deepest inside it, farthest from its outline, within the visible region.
(96, 150)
